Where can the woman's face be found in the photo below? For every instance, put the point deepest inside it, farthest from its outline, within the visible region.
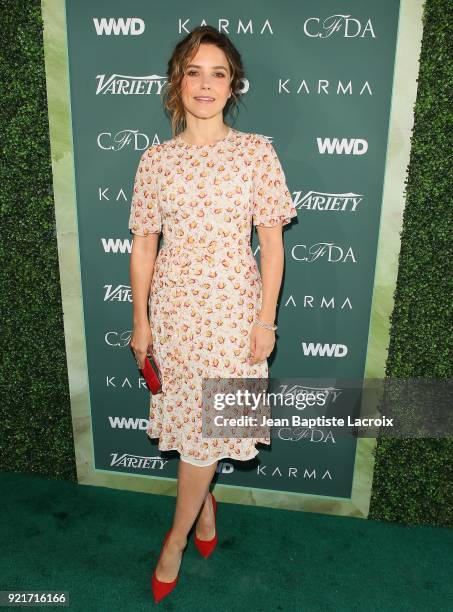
(205, 87)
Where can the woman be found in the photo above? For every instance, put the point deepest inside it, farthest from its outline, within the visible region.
(211, 313)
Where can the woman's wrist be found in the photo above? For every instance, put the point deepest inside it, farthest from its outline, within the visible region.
(267, 316)
(269, 326)
(141, 322)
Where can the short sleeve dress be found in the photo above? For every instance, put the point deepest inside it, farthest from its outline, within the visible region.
(206, 288)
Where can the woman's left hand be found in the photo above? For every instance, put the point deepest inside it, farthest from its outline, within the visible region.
(262, 343)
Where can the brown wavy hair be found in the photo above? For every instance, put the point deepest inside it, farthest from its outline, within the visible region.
(182, 55)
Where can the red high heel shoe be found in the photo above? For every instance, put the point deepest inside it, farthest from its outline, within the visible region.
(162, 589)
(206, 547)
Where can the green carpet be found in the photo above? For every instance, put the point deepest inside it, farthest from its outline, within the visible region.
(101, 545)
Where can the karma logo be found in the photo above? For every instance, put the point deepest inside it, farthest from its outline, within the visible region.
(324, 87)
(228, 26)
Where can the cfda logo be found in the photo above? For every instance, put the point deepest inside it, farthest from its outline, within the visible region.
(345, 25)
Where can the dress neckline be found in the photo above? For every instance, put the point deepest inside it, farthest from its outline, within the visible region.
(201, 146)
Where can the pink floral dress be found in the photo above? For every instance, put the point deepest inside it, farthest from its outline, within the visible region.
(206, 288)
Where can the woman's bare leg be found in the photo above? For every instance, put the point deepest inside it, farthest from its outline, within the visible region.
(193, 487)
(205, 525)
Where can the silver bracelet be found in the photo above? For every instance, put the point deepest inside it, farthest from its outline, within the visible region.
(266, 325)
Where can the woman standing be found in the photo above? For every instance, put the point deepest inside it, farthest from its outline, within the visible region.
(211, 314)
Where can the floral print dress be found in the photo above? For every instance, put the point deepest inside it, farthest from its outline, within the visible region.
(206, 288)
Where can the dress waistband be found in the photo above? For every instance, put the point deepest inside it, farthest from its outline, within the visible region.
(213, 247)
(182, 255)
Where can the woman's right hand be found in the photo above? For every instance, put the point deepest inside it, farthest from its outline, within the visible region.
(141, 342)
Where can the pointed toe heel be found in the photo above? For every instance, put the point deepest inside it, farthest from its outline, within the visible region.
(162, 589)
(206, 547)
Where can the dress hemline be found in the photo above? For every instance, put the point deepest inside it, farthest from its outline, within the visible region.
(162, 447)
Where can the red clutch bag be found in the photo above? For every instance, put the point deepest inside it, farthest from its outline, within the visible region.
(152, 375)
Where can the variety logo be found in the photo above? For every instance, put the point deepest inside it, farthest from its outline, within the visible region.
(324, 350)
(116, 245)
(326, 395)
(114, 338)
(322, 87)
(345, 25)
(127, 460)
(327, 250)
(120, 293)
(115, 142)
(121, 84)
(345, 146)
(319, 200)
(133, 26)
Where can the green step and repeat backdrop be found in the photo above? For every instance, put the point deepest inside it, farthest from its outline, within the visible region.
(319, 86)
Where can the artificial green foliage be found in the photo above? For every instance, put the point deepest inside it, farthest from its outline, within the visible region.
(35, 406)
(412, 479)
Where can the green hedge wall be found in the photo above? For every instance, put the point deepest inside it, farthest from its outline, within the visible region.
(413, 480)
(35, 408)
